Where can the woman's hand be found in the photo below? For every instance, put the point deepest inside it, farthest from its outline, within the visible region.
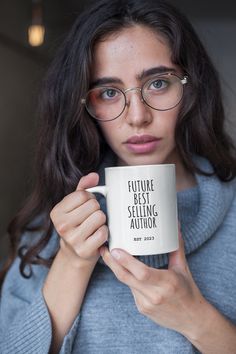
(80, 223)
(81, 226)
(168, 297)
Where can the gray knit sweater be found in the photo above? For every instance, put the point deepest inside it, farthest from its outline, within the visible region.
(109, 322)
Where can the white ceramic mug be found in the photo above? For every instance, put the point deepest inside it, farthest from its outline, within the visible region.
(141, 208)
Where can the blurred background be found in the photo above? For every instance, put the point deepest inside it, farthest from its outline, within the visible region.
(23, 65)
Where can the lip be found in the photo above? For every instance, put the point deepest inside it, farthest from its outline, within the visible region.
(142, 144)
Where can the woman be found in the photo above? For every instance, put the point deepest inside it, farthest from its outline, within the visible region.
(59, 295)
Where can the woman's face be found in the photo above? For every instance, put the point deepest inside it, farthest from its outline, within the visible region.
(141, 135)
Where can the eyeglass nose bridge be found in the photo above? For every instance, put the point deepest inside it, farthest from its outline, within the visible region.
(133, 89)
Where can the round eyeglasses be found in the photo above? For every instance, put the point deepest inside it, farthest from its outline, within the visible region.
(162, 92)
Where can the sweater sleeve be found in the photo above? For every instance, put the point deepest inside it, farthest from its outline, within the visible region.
(25, 324)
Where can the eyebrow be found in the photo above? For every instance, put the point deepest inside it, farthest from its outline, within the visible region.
(144, 74)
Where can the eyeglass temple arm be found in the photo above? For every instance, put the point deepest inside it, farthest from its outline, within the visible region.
(184, 80)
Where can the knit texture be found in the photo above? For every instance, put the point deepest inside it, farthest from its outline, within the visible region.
(24, 319)
(109, 322)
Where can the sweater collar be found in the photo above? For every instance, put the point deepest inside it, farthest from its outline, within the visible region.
(215, 199)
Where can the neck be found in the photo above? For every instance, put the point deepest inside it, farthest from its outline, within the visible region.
(184, 179)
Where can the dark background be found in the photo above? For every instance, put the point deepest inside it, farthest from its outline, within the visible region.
(22, 68)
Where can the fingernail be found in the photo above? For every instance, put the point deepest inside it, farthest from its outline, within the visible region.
(115, 254)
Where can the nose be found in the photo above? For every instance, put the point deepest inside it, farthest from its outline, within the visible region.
(137, 113)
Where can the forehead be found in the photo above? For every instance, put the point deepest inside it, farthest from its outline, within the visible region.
(129, 52)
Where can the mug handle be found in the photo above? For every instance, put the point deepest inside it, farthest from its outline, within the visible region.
(98, 189)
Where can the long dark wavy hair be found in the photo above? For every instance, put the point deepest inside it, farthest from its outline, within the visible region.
(70, 143)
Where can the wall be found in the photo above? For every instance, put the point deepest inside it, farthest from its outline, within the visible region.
(20, 79)
(219, 37)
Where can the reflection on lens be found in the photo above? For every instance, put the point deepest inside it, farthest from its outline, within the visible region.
(163, 93)
(105, 103)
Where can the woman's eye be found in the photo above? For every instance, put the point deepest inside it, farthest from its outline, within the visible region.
(158, 84)
(109, 93)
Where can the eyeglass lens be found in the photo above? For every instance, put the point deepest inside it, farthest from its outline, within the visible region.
(160, 93)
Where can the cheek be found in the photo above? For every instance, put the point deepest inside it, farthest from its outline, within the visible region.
(109, 132)
(165, 126)
(170, 121)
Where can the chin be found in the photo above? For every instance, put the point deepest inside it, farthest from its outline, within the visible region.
(142, 160)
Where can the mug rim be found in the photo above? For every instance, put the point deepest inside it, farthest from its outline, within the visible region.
(139, 166)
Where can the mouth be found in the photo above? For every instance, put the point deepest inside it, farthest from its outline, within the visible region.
(142, 144)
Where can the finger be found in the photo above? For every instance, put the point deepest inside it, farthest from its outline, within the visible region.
(141, 300)
(79, 214)
(177, 259)
(120, 272)
(78, 235)
(139, 270)
(73, 201)
(123, 274)
(93, 243)
(72, 211)
(152, 293)
(88, 181)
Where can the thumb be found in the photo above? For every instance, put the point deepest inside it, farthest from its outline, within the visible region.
(177, 258)
(88, 181)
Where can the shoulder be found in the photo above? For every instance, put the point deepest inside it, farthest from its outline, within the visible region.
(212, 181)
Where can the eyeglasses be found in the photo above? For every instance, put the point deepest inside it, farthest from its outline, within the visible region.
(162, 92)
